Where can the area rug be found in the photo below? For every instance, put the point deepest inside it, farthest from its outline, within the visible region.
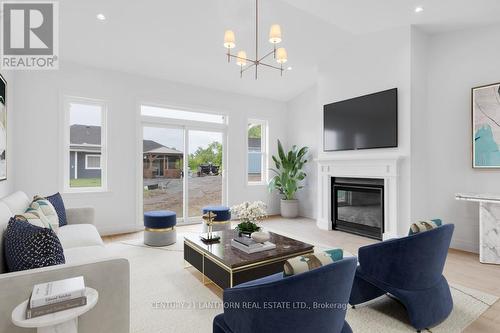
(167, 297)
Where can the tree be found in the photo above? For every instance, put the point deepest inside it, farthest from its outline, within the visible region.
(211, 154)
(255, 131)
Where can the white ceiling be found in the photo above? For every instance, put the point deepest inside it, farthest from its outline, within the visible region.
(182, 40)
(365, 16)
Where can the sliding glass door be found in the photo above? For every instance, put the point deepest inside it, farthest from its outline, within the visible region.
(171, 184)
(205, 170)
(162, 169)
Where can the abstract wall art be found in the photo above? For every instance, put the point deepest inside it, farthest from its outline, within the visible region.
(486, 126)
(3, 128)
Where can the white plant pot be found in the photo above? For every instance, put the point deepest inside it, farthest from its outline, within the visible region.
(289, 208)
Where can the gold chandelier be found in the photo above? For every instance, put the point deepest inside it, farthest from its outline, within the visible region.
(246, 63)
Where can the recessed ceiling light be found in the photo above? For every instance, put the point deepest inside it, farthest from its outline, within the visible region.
(289, 68)
(419, 9)
(101, 17)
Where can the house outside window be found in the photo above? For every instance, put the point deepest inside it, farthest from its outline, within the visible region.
(93, 162)
(256, 152)
(85, 145)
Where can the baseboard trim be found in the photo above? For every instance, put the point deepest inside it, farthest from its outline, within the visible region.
(465, 245)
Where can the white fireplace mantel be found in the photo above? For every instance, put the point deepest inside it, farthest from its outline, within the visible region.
(385, 168)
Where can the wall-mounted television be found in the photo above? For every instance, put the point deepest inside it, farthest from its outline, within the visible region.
(364, 122)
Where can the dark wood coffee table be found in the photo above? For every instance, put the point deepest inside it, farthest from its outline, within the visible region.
(227, 266)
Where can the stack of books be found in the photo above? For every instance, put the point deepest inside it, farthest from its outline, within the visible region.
(56, 296)
(248, 245)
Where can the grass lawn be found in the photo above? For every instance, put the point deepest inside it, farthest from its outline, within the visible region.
(82, 182)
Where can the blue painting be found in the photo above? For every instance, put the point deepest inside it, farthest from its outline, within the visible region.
(486, 126)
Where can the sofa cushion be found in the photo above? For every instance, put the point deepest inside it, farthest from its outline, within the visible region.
(17, 202)
(57, 201)
(78, 235)
(78, 255)
(28, 246)
(309, 262)
(421, 226)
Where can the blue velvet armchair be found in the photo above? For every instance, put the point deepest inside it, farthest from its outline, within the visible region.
(315, 301)
(410, 269)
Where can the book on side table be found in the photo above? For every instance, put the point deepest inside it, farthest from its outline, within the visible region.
(56, 296)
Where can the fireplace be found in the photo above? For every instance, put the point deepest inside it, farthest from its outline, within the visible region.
(358, 206)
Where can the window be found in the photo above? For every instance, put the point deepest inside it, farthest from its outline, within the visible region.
(85, 145)
(183, 161)
(93, 162)
(256, 152)
(161, 112)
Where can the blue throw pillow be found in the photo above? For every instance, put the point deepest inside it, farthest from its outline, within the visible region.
(57, 201)
(28, 246)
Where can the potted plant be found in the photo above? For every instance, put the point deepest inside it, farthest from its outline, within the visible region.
(249, 213)
(288, 176)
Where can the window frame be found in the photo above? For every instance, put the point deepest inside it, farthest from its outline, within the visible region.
(67, 101)
(87, 162)
(264, 152)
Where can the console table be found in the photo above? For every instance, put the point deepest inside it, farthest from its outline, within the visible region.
(489, 225)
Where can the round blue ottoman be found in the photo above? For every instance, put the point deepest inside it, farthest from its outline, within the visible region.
(159, 228)
(223, 219)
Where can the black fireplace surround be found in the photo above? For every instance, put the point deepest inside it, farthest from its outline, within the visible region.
(358, 206)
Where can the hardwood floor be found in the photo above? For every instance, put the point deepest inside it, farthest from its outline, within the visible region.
(461, 267)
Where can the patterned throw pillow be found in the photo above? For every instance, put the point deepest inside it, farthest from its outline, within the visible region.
(309, 262)
(421, 226)
(33, 217)
(27, 246)
(57, 201)
(46, 211)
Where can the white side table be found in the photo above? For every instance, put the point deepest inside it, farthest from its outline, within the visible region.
(59, 322)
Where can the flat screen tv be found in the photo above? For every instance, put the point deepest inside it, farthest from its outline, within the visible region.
(364, 122)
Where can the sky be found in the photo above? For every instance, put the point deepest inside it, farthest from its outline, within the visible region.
(84, 114)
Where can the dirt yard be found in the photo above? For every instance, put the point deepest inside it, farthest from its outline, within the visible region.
(202, 191)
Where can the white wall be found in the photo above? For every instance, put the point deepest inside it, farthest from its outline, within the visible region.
(419, 137)
(302, 122)
(434, 75)
(458, 62)
(6, 186)
(368, 64)
(37, 135)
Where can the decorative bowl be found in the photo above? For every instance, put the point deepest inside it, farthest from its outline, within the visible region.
(260, 236)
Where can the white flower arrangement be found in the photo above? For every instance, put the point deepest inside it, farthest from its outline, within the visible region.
(250, 211)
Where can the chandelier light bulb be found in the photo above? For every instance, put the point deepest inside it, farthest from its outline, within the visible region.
(281, 55)
(241, 58)
(275, 34)
(229, 39)
(256, 61)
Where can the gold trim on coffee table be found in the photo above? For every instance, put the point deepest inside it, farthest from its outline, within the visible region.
(232, 271)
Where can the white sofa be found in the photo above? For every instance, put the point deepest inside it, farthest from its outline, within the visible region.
(86, 255)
